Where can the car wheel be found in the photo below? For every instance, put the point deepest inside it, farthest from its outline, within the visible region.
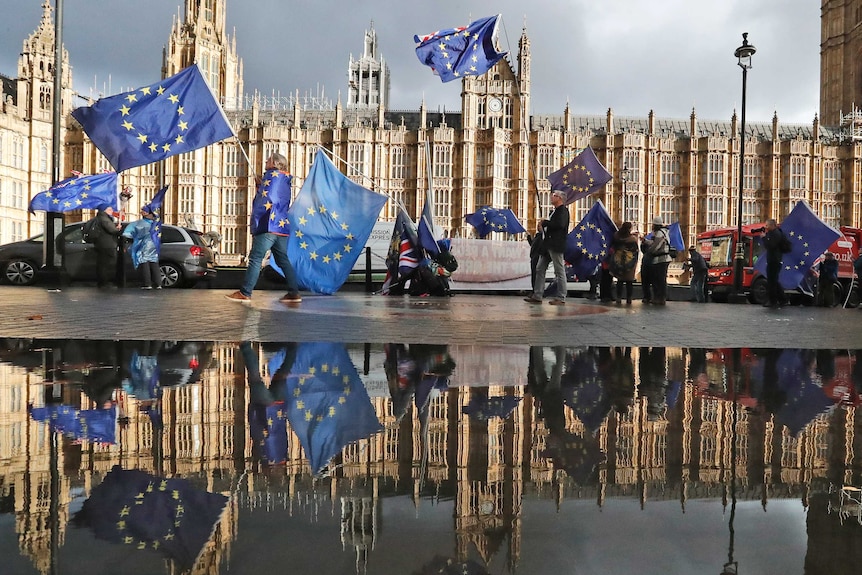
(853, 300)
(172, 277)
(20, 273)
(758, 294)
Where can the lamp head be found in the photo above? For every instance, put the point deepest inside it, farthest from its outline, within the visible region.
(745, 52)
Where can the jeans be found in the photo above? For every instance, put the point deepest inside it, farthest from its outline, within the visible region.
(696, 285)
(260, 244)
(559, 275)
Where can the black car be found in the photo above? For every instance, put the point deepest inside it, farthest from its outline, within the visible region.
(184, 259)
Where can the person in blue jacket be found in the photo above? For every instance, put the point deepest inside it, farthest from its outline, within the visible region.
(144, 251)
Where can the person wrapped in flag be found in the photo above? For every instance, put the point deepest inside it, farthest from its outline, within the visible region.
(269, 228)
(143, 251)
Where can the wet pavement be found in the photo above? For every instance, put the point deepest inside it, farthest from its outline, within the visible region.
(176, 431)
(204, 314)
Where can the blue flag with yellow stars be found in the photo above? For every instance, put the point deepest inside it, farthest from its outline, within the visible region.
(588, 244)
(174, 116)
(489, 219)
(96, 425)
(271, 203)
(427, 239)
(141, 511)
(78, 192)
(330, 222)
(484, 408)
(327, 404)
(809, 236)
(581, 177)
(458, 52)
(674, 235)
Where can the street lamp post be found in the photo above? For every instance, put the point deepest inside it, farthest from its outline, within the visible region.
(743, 54)
(625, 174)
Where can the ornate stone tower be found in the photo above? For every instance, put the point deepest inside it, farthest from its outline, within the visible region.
(840, 59)
(36, 72)
(368, 76)
(200, 37)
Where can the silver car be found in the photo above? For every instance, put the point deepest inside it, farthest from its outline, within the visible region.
(184, 259)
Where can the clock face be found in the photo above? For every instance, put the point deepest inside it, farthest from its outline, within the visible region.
(495, 105)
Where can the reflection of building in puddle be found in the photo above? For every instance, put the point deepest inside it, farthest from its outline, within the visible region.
(662, 418)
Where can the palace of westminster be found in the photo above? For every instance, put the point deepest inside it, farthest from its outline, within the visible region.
(495, 152)
(682, 170)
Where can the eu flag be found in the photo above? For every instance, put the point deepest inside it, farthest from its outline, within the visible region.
(142, 511)
(489, 219)
(674, 234)
(810, 237)
(96, 425)
(271, 203)
(588, 244)
(330, 222)
(427, 239)
(458, 52)
(328, 407)
(78, 192)
(174, 116)
(581, 177)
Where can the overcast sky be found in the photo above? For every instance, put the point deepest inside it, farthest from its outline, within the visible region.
(629, 55)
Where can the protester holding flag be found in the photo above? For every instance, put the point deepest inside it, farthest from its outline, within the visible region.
(105, 235)
(772, 240)
(269, 227)
(658, 249)
(554, 230)
(623, 262)
(144, 253)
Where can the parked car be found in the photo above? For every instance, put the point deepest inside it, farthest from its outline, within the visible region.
(185, 258)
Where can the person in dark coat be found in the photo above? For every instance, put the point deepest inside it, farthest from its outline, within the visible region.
(699, 269)
(106, 246)
(624, 260)
(554, 231)
(772, 241)
(827, 279)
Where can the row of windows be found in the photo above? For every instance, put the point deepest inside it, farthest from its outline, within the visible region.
(13, 153)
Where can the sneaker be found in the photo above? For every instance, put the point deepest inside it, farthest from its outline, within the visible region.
(239, 296)
(532, 299)
(146, 287)
(557, 302)
(158, 287)
(291, 298)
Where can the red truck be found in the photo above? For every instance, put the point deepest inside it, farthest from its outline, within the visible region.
(718, 248)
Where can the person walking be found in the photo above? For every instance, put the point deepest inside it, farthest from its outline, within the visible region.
(698, 267)
(144, 252)
(773, 241)
(554, 231)
(624, 261)
(658, 249)
(106, 232)
(271, 200)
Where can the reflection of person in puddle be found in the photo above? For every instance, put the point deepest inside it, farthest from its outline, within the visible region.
(266, 414)
(417, 371)
(576, 455)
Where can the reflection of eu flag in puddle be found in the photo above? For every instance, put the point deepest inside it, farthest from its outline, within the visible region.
(143, 511)
(584, 392)
(484, 408)
(327, 404)
(97, 425)
(804, 399)
(268, 428)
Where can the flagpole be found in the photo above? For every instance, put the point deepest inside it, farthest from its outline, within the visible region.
(55, 222)
(524, 124)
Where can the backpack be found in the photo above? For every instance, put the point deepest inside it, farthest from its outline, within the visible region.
(90, 231)
(672, 251)
(784, 245)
